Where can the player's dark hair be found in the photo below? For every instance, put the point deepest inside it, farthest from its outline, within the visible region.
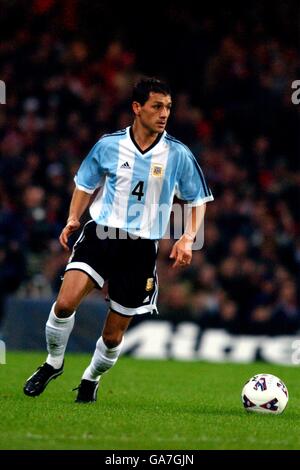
(145, 86)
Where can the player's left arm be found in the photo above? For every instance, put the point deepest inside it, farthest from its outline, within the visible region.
(182, 249)
(192, 188)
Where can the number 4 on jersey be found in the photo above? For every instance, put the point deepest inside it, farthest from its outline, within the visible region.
(138, 190)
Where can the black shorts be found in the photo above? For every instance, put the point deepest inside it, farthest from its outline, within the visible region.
(127, 264)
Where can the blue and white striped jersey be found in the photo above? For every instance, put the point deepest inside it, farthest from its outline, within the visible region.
(137, 188)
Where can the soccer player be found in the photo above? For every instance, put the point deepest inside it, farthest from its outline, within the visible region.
(137, 171)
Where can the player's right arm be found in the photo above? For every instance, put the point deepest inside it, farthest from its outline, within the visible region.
(87, 180)
(80, 201)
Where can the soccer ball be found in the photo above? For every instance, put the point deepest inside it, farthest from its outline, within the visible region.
(265, 393)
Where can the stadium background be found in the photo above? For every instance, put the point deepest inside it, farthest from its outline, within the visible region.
(69, 67)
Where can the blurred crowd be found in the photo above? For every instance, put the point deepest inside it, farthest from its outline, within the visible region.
(62, 95)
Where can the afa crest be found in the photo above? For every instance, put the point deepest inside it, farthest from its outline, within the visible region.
(157, 170)
(149, 284)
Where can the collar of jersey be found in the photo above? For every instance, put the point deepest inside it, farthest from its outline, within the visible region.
(137, 145)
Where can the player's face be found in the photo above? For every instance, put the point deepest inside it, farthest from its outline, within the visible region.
(154, 114)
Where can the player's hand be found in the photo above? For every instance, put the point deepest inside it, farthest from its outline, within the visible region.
(72, 226)
(182, 252)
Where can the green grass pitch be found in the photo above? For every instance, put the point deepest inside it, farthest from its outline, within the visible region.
(144, 404)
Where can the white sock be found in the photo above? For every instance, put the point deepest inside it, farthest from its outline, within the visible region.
(57, 334)
(103, 359)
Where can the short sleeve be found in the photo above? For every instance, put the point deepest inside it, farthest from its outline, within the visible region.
(191, 184)
(90, 173)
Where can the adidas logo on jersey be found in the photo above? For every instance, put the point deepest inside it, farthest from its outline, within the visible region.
(126, 165)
